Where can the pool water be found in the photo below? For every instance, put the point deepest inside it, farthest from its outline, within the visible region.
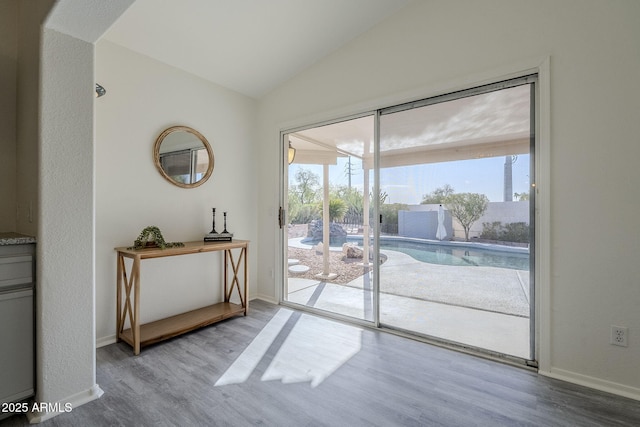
(459, 256)
(446, 254)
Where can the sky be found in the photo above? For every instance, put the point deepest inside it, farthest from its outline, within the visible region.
(408, 184)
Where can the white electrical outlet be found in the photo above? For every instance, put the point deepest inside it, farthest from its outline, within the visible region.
(619, 335)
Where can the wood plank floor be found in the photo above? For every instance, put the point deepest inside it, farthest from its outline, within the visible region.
(387, 381)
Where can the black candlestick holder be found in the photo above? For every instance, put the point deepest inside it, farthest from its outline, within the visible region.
(214, 236)
(225, 224)
(213, 224)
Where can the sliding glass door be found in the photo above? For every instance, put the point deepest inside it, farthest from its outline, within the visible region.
(430, 217)
(328, 233)
(456, 172)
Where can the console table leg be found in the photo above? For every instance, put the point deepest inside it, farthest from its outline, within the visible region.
(235, 281)
(227, 252)
(246, 279)
(119, 268)
(135, 327)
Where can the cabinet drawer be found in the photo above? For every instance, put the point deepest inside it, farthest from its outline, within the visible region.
(16, 269)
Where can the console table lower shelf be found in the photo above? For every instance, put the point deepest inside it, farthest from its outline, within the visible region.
(154, 332)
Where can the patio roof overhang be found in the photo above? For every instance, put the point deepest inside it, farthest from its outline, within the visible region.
(488, 125)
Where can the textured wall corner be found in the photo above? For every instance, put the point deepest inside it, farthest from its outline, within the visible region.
(65, 297)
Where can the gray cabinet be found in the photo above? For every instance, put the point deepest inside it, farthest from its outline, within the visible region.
(17, 284)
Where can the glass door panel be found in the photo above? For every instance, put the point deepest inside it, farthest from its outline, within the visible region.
(329, 180)
(454, 239)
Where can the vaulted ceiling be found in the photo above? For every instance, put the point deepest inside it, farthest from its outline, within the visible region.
(249, 46)
(253, 46)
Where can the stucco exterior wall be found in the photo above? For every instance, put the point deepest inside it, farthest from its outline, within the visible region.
(504, 212)
(422, 224)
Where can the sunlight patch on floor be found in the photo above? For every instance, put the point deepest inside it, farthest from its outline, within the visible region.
(244, 365)
(314, 350)
(304, 348)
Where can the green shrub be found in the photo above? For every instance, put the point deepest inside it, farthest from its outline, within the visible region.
(337, 209)
(304, 214)
(517, 232)
(491, 230)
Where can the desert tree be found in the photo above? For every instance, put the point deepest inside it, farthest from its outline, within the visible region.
(467, 208)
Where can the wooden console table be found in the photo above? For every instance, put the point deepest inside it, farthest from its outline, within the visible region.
(140, 335)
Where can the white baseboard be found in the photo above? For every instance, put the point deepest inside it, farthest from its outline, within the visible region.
(101, 342)
(65, 405)
(593, 382)
(266, 298)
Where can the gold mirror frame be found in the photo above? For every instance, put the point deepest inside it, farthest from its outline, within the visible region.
(205, 143)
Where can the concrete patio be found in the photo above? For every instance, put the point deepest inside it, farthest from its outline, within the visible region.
(484, 307)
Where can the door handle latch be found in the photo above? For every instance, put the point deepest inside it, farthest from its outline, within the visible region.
(281, 215)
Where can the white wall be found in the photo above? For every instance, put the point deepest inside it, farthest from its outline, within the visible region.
(435, 46)
(143, 98)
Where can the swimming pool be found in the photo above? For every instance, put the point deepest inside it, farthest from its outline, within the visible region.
(447, 254)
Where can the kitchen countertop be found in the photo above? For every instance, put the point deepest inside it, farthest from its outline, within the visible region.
(11, 238)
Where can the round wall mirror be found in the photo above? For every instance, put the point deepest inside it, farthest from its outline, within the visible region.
(183, 156)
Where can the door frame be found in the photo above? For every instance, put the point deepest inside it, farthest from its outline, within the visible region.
(541, 322)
